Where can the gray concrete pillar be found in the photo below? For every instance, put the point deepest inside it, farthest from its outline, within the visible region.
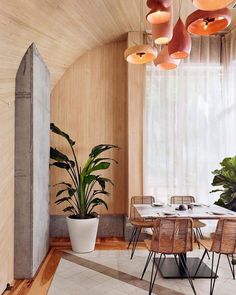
(32, 145)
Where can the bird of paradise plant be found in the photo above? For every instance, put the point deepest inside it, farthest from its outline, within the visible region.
(82, 193)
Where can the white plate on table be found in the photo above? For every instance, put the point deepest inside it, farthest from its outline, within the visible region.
(170, 213)
(217, 213)
(158, 204)
(197, 204)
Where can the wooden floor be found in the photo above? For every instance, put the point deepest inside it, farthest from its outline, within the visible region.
(41, 283)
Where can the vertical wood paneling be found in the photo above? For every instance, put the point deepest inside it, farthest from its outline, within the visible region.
(6, 194)
(135, 122)
(89, 102)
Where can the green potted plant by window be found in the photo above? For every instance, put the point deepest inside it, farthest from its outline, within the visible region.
(82, 193)
(226, 178)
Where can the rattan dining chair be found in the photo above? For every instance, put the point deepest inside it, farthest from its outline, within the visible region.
(224, 242)
(197, 224)
(137, 222)
(170, 236)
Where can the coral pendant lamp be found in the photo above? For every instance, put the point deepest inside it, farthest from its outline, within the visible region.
(164, 61)
(165, 3)
(211, 4)
(162, 33)
(202, 22)
(180, 44)
(159, 12)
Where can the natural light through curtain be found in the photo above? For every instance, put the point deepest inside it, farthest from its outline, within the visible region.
(189, 123)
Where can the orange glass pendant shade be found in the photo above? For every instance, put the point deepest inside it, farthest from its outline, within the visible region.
(211, 4)
(180, 44)
(162, 33)
(203, 23)
(140, 54)
(164, 61)
(159, 14)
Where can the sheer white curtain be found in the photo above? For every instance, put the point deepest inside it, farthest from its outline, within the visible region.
(189, 122)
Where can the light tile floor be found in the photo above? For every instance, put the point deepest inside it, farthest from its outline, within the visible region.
(73, 279)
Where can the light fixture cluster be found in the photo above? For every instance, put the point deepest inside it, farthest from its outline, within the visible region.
(212, 16)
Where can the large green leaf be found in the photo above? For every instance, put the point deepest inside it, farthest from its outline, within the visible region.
(65, 199)
(61, 192)
(218, 180)
(102, 192)
(57, 130)
(57, 155)
(216, 190)
(89, 178)
(103, 159)
(102, 182)
(61, 165)
(71, 191)
(98, 149)
(64, 183)
(96, 202)
(70, 209)
(100, 166)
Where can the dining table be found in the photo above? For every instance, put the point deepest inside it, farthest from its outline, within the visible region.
(169, 268)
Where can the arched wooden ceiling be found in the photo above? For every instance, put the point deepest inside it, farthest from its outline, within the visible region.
(63, 30)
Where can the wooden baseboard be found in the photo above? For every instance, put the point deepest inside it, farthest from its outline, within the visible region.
(101, 243)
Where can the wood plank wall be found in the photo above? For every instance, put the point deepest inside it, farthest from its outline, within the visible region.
(90, 103)
(135, 120)
(6, 193)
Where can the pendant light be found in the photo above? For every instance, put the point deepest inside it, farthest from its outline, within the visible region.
(180, 44)
(202, 22)
(159, 13)
(162, 33)
(211, 4)
(164, 61)
(165, 3)
(140, 54)
(143, 53)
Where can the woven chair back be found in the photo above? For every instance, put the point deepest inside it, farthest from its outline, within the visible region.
(172, 235)
(139, 200)
(182, 200)
(224, 240)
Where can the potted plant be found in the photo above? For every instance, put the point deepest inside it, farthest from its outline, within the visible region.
(226, 178)
(82, 193)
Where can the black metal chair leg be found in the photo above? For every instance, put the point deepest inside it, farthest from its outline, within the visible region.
(132, 236)
(200, 232)
(135, 241)
(208, 255)
(185, 267)
(213, 279)
(231, 267)
(153, 277)
(176, 260)
(153, 264)
(200, 262)
(147, 263)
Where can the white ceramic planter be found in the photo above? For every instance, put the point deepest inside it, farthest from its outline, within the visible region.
(83, 233)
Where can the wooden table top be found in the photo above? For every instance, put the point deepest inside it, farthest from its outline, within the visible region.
(198, 212)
